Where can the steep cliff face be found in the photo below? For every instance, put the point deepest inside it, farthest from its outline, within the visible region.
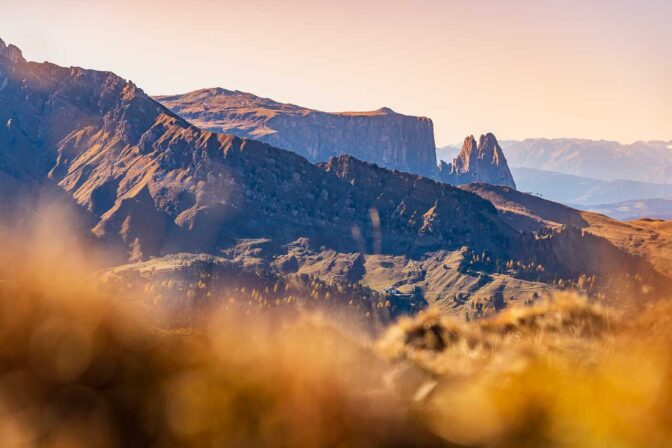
(484, 163)
(384, 137)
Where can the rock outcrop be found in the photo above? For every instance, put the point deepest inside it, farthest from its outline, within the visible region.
(484, 163)
(10, 52)
(383, 137)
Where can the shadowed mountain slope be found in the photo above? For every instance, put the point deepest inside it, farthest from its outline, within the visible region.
(647, 238)
(158, 184)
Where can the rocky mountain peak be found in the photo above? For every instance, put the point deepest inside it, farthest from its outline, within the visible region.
(11, 52)
(469, 143)
(482, 162)
(489, 149)
(469, 151)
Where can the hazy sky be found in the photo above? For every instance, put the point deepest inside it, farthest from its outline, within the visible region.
(595, 69)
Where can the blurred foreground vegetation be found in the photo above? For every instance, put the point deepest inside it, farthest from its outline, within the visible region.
(85, 368)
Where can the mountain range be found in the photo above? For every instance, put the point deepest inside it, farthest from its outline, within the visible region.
(623, 181)
(384, 137)
(153, 186)
(598, 159)
(586, 191)
(659, 209)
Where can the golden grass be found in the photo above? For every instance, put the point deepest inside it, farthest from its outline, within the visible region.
(563, 372)
(80, 368)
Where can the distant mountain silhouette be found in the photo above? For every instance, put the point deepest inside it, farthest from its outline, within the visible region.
(585, 191)
(598, 159)
(635, 209)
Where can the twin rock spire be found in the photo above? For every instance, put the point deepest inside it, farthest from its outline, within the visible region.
(484, 162)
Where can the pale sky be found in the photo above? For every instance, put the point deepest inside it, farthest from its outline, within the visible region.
(593, 69)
